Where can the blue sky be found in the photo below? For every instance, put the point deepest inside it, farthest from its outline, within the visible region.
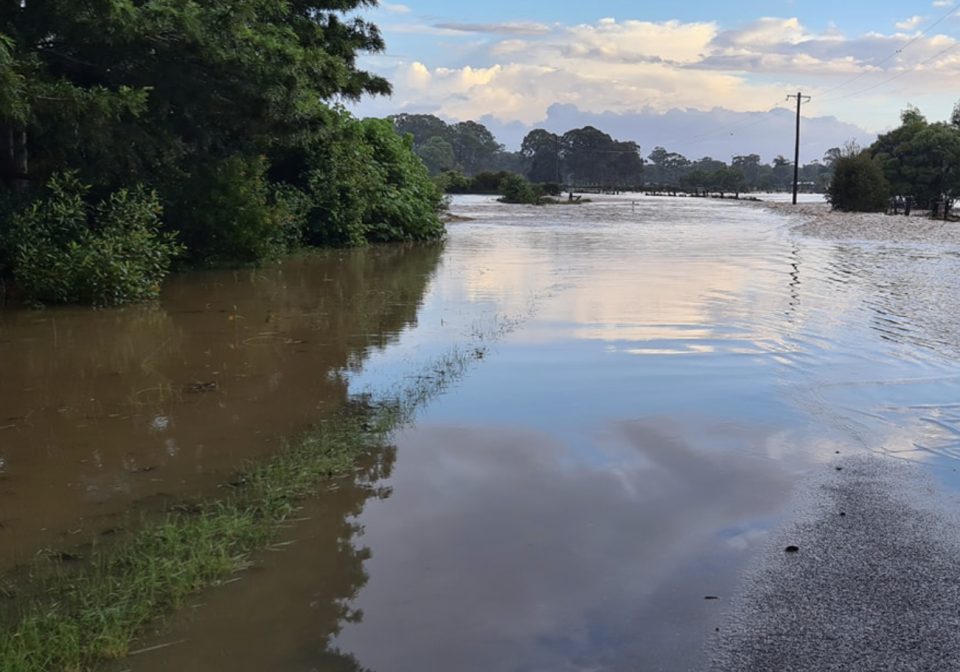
(698, 77)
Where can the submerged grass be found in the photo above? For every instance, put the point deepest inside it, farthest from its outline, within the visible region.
(74, 618)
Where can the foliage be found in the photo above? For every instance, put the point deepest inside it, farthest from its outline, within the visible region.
(474, 148)
(591, 157)
(858, 183)
(517, 189)
(227, 212)
(920, 159)
(404, 203)
(222, 108)
(366, 184)
(453, 182)
(66, 251)
(437, 155)
(488, 182)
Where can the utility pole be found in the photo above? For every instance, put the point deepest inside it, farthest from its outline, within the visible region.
(796, 154)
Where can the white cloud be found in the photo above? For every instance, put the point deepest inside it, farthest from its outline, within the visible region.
(910, 24)
(397, 9)
(514, 72)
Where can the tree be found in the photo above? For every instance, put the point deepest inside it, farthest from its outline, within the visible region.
(437, 155)
(782, 172)
(423, 127)
(666, 168)
(858, 183)
(119, 89)
(749, 166)
(475, 147)
(920, 159)
(541, 152)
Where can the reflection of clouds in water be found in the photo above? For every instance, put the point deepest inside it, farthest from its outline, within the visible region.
(502, 550)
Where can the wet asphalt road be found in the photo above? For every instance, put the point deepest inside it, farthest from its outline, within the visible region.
(874, 586)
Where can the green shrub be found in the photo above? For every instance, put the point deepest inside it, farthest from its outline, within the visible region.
(453, 182)
(517, 189)
(228, 212)
(366, 184)
(66, 251)
(858, 184)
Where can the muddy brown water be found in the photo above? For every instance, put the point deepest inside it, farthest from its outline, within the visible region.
(656, 375)
(104, 411)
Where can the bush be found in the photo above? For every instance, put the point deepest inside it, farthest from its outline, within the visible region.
(66, 251)
(453, 182)
(365, 184)
(858, 184)
(517, 189)
(227, 212)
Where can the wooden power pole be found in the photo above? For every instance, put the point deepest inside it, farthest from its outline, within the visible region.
(796, 154)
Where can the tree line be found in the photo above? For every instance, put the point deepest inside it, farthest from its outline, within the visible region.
(588, 157)
(916, 164)
(136, 134)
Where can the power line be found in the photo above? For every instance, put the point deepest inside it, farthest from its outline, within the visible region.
(897, 76)
(895, 53)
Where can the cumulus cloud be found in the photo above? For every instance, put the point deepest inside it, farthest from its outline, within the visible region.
(910, 24)
(514, 72)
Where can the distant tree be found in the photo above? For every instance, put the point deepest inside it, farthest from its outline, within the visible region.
(749, 166)
(782, 172)
(831, 155)
(858, 183)
(437, 155)
(475, 147)
(729, 180)
(541, 153)
(423, 127)
(666, 168)
(626, 164)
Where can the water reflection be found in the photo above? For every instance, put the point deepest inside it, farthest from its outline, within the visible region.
(102, 409)
(537, 559)
(571, 503)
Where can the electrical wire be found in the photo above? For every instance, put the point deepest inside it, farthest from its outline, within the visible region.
(894, 54)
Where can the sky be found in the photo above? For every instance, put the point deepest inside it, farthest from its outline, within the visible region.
(699, 77)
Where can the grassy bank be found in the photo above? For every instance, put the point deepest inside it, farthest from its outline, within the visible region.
(71, 616)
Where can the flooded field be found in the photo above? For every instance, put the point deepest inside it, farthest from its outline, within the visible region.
(650, 378)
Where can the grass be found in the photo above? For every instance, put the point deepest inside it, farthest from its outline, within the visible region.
(73, 618)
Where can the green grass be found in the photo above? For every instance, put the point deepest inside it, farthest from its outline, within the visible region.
(77, 617)
(70, 616)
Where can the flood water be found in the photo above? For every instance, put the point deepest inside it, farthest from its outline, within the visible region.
(656, 375)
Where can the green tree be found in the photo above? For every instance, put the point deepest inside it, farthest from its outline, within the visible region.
(423, 127)
(665, 168)
(437, 155)
(858, 183)
(541, 152)
(586, 153)
(475, 147)
(920, 159)
(749, 165)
